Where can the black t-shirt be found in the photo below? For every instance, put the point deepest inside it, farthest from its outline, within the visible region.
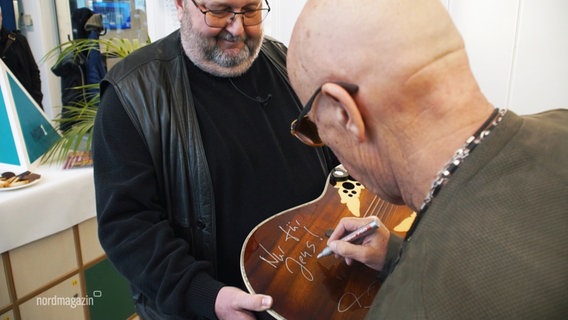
(258, 168)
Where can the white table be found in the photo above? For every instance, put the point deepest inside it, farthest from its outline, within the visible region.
(60, 200)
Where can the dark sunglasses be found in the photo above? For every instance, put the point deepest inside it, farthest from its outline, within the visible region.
(303, 128)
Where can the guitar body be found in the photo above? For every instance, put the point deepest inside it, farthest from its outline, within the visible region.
(278, 257)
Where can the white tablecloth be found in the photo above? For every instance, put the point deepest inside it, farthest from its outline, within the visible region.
(58, 201)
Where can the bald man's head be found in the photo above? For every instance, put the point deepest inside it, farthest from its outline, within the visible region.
(383, 42)
(417, 99)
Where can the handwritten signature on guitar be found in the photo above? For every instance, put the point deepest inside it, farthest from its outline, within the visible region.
(274, 259)
(299, 264)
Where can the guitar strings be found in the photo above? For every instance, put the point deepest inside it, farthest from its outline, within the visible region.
(391, 211)
(380, 207)
(371, 208)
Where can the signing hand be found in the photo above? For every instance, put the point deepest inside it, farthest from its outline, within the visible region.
(371, 251)
(234, 303)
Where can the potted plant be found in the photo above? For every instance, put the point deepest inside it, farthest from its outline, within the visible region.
(80, 115)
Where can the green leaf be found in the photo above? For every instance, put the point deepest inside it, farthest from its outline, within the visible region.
(82, 113)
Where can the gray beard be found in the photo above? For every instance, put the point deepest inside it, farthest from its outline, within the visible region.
(206, 55)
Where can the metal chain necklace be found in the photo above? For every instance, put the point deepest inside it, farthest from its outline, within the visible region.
(457, 159)
(461, 154)
(446, 172)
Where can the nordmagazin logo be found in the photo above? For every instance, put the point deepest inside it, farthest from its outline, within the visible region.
(71, 302)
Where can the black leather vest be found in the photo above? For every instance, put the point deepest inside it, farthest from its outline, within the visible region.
(154, 88)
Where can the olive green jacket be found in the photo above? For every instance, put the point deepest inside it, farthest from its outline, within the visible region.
(494, 243)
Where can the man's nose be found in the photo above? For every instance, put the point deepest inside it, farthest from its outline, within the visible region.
(235, 25)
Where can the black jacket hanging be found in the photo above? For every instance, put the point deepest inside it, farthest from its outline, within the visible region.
(18, 57)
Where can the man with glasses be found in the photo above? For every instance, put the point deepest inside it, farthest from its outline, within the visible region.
(191, 151)
(402, 111)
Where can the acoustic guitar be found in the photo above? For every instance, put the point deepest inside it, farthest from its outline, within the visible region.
(279, 257)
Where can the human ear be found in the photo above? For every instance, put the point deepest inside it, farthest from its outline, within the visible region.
(179, 7)
(346, 111)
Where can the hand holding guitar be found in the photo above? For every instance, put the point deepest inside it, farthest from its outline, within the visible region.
(234, 303)
(370, 250)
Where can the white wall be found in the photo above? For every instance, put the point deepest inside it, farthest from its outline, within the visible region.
(518, 48)
(281, 19)
(162, 18)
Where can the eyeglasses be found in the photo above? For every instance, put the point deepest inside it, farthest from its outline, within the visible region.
(303, 128)
(221, 18)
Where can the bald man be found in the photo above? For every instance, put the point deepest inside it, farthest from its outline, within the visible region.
(388, 87)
